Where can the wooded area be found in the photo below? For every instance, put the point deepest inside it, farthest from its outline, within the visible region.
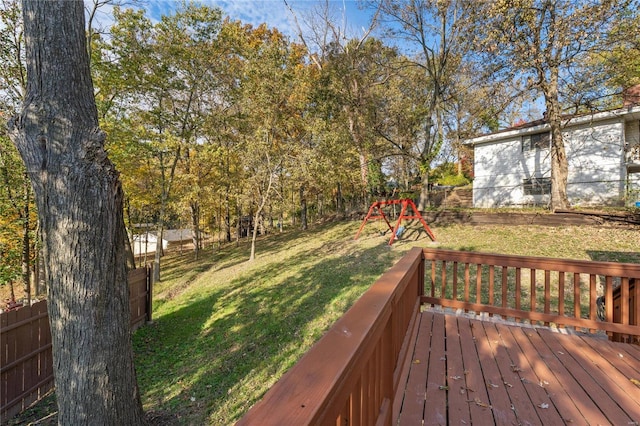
(210, 120)
(206, 121)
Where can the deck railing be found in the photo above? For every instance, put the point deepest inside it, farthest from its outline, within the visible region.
(559, 292)
(350, 376)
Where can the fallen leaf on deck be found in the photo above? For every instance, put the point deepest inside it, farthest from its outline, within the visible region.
(443, 387)
(508, 384)
(455, 377)
(515, 368)
(544, 405)
(491, 385)
(635, 382)
(481, 404)
(417, 361)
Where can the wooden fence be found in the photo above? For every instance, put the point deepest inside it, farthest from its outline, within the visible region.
(561, 292)
(26, 363)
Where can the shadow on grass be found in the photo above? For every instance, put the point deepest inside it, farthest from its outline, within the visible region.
(211, 359)
(614, 256)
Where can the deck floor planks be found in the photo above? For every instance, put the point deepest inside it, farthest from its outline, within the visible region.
(413, 404)
(540, 360)
(583, 376)
(571, 400)
(580, 380)
(546, 410)
(614, 353)
(474, 354)
(607, 377)
(436, 398)
(523, 408)
(456, 387)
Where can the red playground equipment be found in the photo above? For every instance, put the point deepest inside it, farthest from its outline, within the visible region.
(375, 212)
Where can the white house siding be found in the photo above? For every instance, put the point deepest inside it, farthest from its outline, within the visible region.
(596, 162)
(596, 166)
(632, 141)
(632, 133)
(500, 168)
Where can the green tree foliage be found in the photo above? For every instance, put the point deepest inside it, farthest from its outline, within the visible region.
(17, 209)
(434, 30)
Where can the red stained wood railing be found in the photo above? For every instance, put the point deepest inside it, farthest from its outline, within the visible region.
(561, 292)
(350, 376)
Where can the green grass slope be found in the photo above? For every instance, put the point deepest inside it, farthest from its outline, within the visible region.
(225, 329)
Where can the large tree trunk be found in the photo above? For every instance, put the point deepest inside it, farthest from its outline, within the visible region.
(423, 201)
(559, 163)
(79, 199)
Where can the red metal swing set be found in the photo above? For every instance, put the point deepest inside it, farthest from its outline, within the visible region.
(375, 212)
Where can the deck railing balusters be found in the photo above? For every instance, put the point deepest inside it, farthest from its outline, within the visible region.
(547, 293)
(535, 304)
(467, 284)
(532, 290)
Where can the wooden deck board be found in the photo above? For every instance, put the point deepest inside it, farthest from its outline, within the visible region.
(458, 405)
(435, 412)
(478, 358)
(468, 371)
(508, 395)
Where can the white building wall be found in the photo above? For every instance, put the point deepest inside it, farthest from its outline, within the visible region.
(596, 167)
(632, 132)
(500, 168)
(596, 164)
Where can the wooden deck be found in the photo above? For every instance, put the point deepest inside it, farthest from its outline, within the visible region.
(465, 371)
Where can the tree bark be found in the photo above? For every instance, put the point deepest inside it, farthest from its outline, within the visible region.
(79, 199)
(423, 201)
(559, 162)
(195, 227)
(303, 210)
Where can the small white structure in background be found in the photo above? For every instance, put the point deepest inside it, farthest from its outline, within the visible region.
(513, 167)
(147, 242)
(144, 243)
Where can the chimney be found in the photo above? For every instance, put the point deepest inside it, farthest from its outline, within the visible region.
(631, 96)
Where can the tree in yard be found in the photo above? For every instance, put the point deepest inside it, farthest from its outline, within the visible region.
(542, 43)
(162, 79)
(433, 29)
(271, 102)
(16, 203)
(79, 199)
(621, 60)
(352, 74)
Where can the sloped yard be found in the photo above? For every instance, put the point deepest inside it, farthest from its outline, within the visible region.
(225, 330)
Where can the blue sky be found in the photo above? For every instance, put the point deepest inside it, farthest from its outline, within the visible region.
(273, 12)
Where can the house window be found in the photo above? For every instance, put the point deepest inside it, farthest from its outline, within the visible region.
(536, 141)
(537, 186)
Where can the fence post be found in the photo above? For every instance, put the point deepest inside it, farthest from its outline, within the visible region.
(149, 307)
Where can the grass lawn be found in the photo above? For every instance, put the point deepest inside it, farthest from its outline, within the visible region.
(225, 329)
